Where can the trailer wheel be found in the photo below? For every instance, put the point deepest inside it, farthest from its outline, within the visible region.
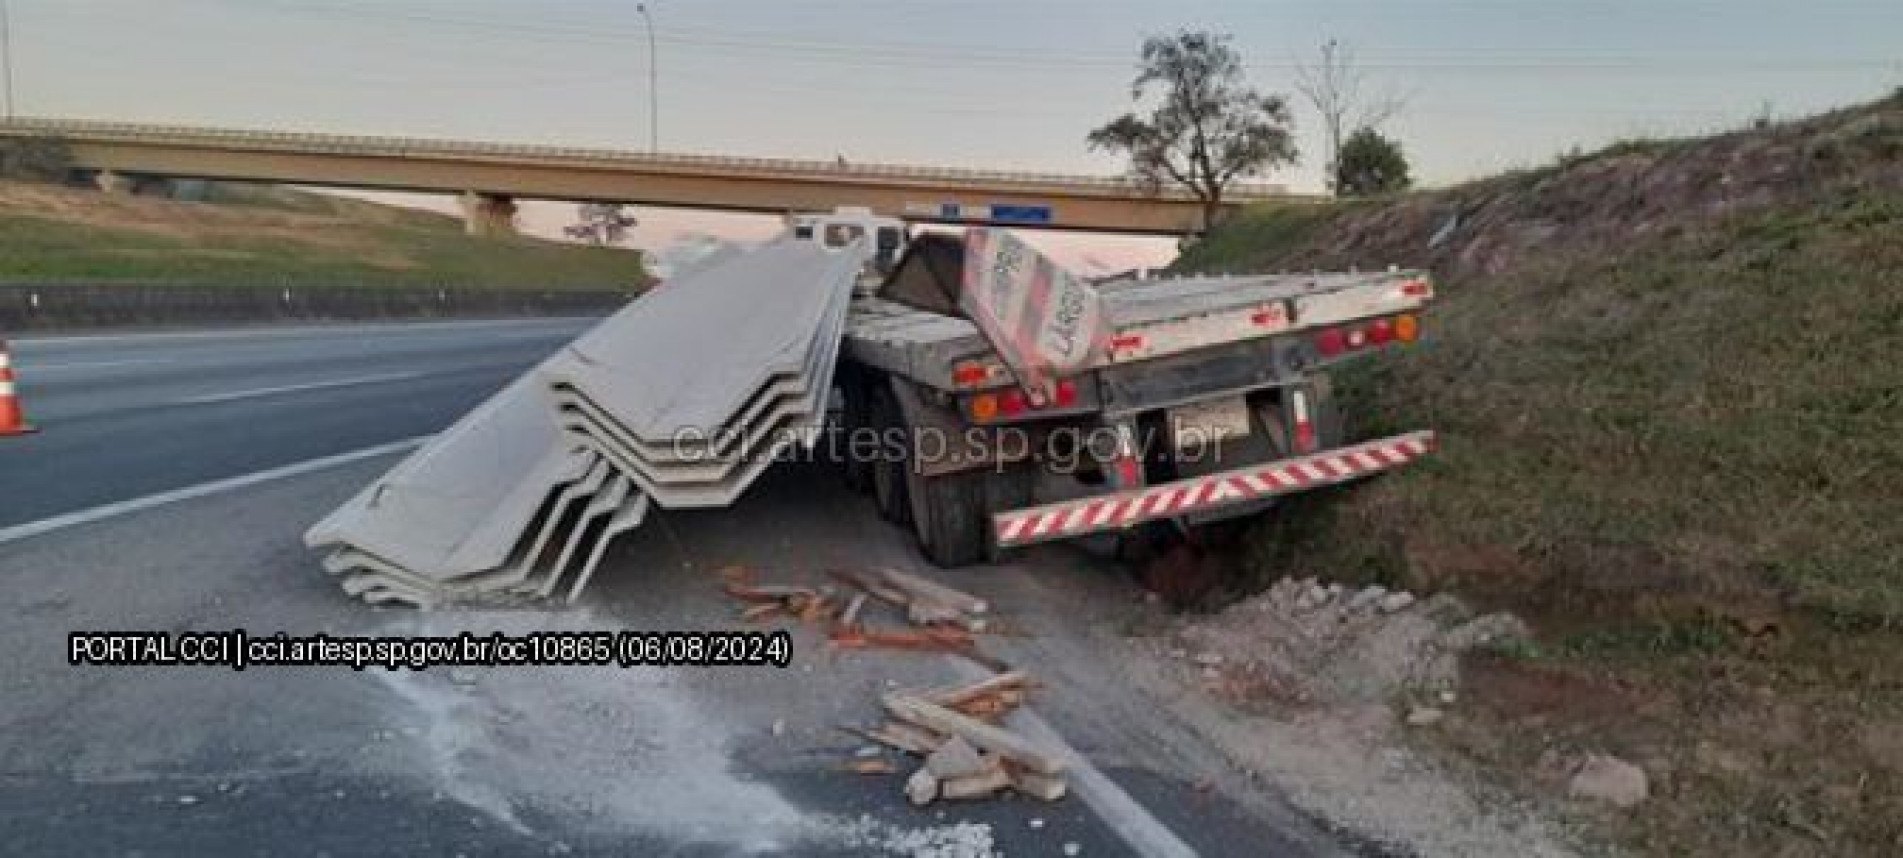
(890, 462)
(948, 514)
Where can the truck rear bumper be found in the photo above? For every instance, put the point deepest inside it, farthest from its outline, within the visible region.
(1207, 493)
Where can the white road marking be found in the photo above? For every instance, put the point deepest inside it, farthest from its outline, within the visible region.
(111, 510)
(93, 364)
(1143, 832)
(18, 341)
(211, 398)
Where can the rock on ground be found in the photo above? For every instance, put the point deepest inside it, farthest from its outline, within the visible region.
(1609, 779)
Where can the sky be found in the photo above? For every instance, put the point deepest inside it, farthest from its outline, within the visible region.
(1489, 84)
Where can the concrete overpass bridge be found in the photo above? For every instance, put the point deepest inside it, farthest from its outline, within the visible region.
(491, 176)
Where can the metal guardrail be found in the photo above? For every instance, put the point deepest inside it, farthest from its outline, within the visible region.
(83, 131)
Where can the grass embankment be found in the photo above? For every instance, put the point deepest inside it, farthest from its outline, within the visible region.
(245, 235)
(1669, 382)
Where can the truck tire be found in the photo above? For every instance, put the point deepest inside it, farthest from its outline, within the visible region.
(845, 447)
(948, 514)
(890, 462)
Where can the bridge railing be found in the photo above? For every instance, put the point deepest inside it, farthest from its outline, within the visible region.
(346, 144)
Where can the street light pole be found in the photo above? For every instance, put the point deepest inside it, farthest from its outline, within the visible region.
(6, 57)
(654, 96)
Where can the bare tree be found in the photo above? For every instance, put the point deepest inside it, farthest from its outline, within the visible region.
(600, 224)
(1208, 129)
(1335, 87)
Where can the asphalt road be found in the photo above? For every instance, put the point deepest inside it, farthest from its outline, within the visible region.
(126, 415)
(330, 760)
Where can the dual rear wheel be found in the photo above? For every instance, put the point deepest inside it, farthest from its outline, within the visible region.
(950, 514)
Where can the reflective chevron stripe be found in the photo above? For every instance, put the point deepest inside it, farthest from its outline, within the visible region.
(1196, 494)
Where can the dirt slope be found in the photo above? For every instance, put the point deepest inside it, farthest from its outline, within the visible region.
(1668, 380)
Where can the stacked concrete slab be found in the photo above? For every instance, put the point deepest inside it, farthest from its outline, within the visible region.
(681, 399)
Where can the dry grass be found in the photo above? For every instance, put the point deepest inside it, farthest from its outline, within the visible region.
(1667, 384)
(266, 236)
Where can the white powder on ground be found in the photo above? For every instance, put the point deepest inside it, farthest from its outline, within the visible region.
(603, 750)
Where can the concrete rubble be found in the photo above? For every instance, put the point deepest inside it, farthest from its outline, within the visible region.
(680, 400)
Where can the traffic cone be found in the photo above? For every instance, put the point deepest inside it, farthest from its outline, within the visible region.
(12, 417)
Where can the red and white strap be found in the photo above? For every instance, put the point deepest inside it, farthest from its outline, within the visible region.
(1066, 519)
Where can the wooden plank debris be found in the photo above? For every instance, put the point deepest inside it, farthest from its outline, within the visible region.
(932, 591)
(956, 758)
(982, 784)
(1044, 787)
(987, 736)
(953, 697)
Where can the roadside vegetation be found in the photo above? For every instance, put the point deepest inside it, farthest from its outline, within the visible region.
(1668, 383)
(268, 237)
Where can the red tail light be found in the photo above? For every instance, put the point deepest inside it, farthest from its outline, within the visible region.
(1329, 342)
(1066, 394)
(968, 374)
(1012, 402)
(1417, 289)
(1126, 342)
(1381, 332)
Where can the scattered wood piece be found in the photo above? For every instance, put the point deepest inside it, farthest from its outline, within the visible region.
(923, 613)
(921, 787)
(989, 737)
(754, 613)
(956, 758)
(766, 592)
(872, 766)
(877, 588)
(990, 708)
(922, 588)
(982, 784)
(1043, 787)
(1007, 681)
(931, 639)
(850, 616)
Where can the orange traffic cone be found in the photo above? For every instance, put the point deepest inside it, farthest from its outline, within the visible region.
(12, 418)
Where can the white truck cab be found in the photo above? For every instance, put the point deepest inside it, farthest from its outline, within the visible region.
(840, 228)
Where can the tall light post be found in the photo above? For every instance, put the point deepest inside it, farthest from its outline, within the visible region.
(654, 96)
(6, 57)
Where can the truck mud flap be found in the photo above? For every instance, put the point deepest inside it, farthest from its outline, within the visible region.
(1067, 519)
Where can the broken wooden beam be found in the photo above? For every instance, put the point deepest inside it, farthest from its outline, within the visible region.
(981, 784)
(991, 738)
(1043, 787)
(878, 588)
(932, 591)
(952, 697)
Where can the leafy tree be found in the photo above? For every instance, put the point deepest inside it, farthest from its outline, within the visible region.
(1207, 127)
(1370, 164)
(1337, 87)
(600, 223)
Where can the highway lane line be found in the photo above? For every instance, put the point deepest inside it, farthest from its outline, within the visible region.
(1141, 831)
(259, 331)
(112, 510)
(233, 396)
(90, 364)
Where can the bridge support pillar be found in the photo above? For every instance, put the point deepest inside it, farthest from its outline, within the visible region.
(488, 214)
(116, 183)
